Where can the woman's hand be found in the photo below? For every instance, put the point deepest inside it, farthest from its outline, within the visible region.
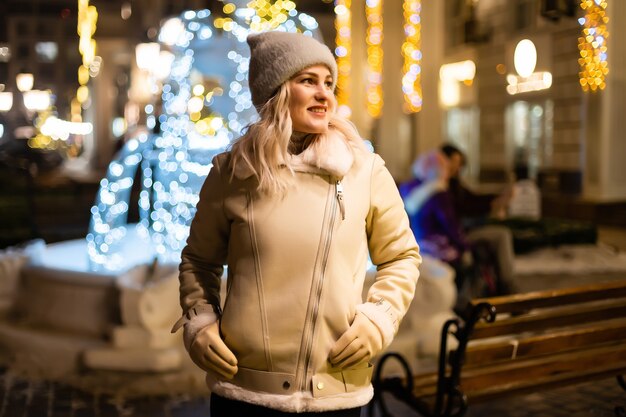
(358, 344)
(210, 353)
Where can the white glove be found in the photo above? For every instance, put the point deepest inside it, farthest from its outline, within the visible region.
(358, 344)
(210, 353)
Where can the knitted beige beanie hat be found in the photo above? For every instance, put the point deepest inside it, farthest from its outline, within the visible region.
(277, 56)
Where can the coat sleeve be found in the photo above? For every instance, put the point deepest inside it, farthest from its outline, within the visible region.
(393, 250)
(204, 256)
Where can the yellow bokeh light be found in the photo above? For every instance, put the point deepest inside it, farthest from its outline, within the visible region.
(198, 90)
(343, 51)
(82, 94)
(83, 75)
(374, 39)
(411, 52)
(86, 27)
(593, 46)
(202, 127)
(271, 14)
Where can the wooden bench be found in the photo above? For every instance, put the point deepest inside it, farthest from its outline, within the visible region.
(518, 344)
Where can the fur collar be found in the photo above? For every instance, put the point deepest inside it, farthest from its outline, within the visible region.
(331, 154)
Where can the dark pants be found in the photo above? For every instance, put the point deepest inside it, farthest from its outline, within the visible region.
(224, 407)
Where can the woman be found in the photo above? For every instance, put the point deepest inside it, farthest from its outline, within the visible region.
(292, 210)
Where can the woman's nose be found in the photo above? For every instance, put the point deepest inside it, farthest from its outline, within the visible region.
(322, 93)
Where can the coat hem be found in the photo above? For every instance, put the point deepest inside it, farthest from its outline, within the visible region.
(294, 403)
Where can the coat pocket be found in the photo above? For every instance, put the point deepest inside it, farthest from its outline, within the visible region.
(347, 380)
(264, 381)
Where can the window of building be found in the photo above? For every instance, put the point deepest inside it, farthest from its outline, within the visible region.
(525, 12)
(4, 72)
(528, 129)
(23, 51)
(45, 30)
(23, 28)
(455, 26)
(461, 128)
(46, 73)
(463, 25)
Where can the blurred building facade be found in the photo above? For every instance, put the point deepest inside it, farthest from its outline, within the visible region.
(569, 138)
(564, 132)
(550, 121)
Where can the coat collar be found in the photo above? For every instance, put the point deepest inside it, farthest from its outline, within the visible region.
(331, 154)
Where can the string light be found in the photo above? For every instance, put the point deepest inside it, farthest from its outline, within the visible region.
(593, 45)
(86, 27)
(270, 15)
(108, 226)
(343, 51)
(374, 40)
(412, 54)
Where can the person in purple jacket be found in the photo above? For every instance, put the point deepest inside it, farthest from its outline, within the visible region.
(438, 230)
(431, 209)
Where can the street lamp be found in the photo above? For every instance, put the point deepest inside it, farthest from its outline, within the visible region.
(37, 100)
(24, 81)
(525, 58)
(6, 101)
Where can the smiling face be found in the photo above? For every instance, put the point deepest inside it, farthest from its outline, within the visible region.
(311, 99)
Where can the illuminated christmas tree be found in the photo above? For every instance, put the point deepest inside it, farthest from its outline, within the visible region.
(205, 106)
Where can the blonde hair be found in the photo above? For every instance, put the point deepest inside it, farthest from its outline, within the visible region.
(264, 148)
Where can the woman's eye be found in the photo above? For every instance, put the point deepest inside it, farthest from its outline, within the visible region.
(329, 84)
(308, 81)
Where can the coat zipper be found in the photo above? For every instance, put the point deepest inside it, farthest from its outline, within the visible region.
(317, 291)
(339, 188)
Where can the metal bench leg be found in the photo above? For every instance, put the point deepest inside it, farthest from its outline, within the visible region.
(450, 401)
(400, 387)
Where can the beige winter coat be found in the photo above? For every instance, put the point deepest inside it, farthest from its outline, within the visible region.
(296, 266)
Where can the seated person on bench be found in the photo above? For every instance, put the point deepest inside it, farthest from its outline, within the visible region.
(436, 227)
